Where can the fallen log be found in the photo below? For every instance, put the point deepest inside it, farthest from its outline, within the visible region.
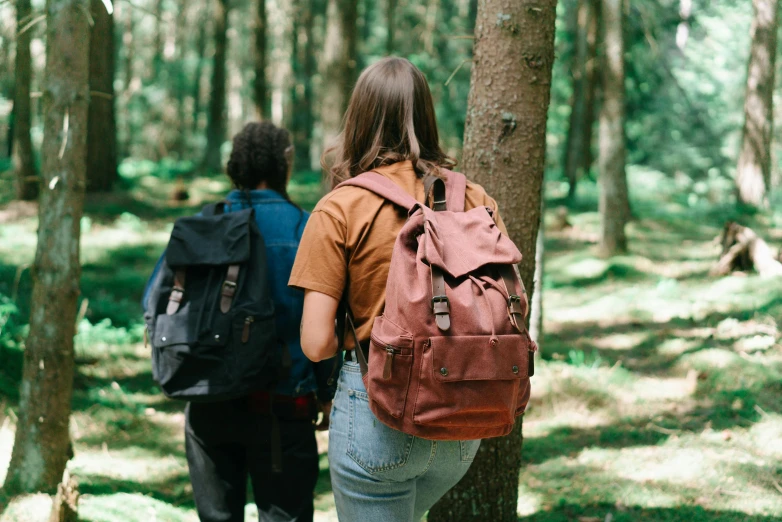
(743, 250)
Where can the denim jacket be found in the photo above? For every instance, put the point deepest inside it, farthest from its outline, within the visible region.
(282, 225)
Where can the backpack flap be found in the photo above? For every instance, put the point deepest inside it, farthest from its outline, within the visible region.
(445, 248)
(222, 239)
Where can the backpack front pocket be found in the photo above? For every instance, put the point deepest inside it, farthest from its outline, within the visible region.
(390, 364)
(471, 381)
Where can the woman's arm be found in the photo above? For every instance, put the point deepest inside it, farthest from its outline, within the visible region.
(318, 339)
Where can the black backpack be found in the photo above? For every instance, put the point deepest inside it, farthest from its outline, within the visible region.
(209, 311)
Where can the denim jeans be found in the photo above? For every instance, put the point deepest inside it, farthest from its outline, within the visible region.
(381, 474)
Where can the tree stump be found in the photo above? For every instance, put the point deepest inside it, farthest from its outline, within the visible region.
(743, 250)
(65, 507)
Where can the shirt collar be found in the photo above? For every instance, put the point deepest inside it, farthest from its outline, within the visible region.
(238, 196)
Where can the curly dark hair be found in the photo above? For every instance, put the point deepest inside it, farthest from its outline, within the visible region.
(261, 152)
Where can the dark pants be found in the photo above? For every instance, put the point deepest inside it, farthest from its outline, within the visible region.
(225, 442)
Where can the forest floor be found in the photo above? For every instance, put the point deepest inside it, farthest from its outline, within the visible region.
(658, 396)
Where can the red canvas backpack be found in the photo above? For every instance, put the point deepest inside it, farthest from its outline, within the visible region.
(450, 358)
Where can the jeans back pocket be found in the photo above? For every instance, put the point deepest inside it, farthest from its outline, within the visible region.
(371, 444)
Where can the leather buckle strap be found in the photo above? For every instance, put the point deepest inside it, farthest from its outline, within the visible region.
(177, 292)
(228, 290)
(440, 304)
(516, 311)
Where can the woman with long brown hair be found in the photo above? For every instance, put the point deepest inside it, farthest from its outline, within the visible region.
(377, 472)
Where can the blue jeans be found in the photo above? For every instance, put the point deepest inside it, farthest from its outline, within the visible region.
(382, 474)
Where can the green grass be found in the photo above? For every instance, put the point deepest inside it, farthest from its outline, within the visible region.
(657, 396)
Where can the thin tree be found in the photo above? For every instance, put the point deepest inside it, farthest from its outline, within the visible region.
(216, 124)
(199, 69)
(504, 150)
(304, 68)
(390, 26)
(614, 202)
(753, 174)
(260, 86)
(42, 442)
(339, 61)
(157, 44)
(578, 145)
(24, 164)
(102, 123)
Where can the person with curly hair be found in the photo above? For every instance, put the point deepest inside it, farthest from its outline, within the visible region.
(228, 441)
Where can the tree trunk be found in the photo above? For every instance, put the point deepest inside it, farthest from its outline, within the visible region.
(102, 125)
(42, 442)
(536, 306)
(339, 59)
(504, 150)
(24, 164)
(180, 78)
(157, 57)
(215, 130)
(128, 42)
(614, 206)
(304, 69)
(199, 70)
(578, 157)
(753, 175)
(390, 25)
(260, 86)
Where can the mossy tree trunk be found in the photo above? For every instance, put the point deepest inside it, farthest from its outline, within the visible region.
(753, 175)
(42, 442)
(102, 123)
(22, 149)
(614, 201)
(215, 128)
(504, 150)
(339, 65)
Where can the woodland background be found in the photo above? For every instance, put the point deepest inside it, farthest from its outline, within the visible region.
(660, 376)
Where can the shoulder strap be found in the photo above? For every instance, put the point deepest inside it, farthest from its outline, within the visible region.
(448, 195)
(383, 187)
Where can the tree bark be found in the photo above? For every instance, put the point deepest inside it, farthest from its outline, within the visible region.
(339, 59)
(504, 150)
(42, 442)
(215, 130)
(260, 86)
(578, 157)
(24, 164)
(102, 123)
(614, 205)
(753, 175)
(180, 77)
(536, 305)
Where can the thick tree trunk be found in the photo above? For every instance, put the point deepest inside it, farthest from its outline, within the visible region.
(614, 205)
(180, 77)
(578, 155)
(753, 175)
(504, 150)
(215, 130)
(24, 164)
(102, 124)
(339, 61)
(260, 86)
(42, 442)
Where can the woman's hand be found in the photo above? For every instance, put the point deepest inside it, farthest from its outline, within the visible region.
(318, 339)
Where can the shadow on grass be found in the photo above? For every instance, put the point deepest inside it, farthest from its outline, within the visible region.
(569, 512)
(172, 489)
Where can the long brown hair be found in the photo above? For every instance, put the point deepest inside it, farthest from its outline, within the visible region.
(390, 118)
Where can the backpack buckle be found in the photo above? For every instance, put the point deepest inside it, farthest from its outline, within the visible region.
(441, 308)
(228, 287)
(440, 299)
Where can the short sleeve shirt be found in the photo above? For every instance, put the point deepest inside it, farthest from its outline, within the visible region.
(348, 241)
